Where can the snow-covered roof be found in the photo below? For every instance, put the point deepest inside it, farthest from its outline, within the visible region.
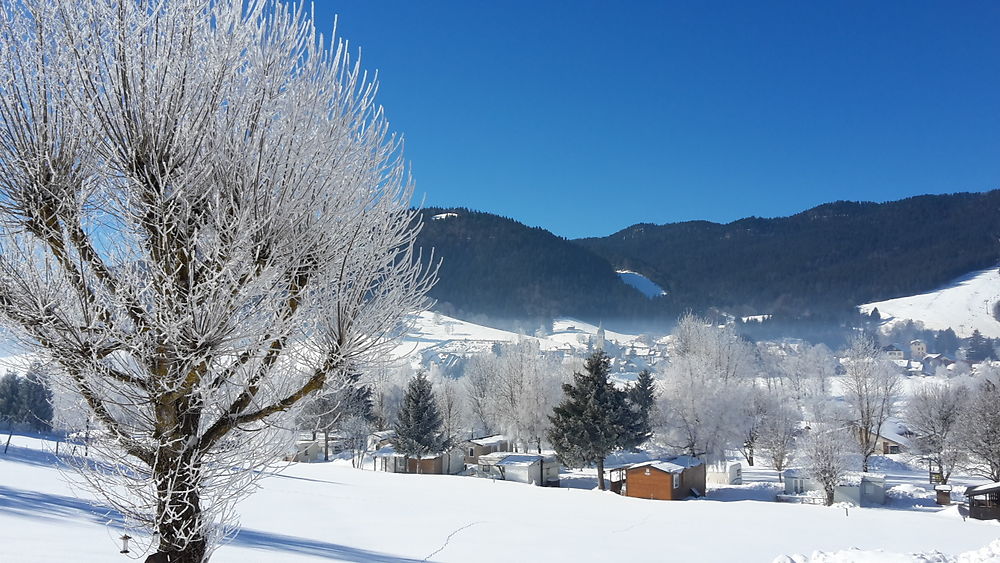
(520, 459)
(672, 465)
(513, 458)
(982, 489)
(494, 440)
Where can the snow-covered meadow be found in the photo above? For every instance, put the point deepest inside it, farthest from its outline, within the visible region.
(331, 512)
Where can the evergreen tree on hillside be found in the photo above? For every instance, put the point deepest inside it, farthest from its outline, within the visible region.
(35, 399)
(419, 425)
(592, 420)
(10, 401)
(640, 399)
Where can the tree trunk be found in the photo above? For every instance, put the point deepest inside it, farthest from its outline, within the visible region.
(326, 445)
(179, 519)
(829, 495)
(600, 473)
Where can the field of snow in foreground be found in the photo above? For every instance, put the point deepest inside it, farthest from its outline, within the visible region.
(964, 305)
(329, 512)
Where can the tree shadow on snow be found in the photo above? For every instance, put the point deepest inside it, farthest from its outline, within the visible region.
(32, 504)
(278, 542)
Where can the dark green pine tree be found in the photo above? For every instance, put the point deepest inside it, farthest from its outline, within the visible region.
(419, 426)
(590, 423)
(35, 399)
(641, 398)
(979, 348)
(10, 402)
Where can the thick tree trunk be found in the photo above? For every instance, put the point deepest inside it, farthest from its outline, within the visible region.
(829, 495)
(179, 519)
(600, 474)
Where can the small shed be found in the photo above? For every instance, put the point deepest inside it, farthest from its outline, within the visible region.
(727, 473)
(984, 501)
(860, 489)
(486, 445)
(306, 451)
(443, 463)
(672, 479)
(534, 469)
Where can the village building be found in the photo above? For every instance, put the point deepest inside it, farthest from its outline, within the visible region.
(673, 479)
(486, 445)
(893, 352)
(984, 501)
(533, 469)
(918, 348)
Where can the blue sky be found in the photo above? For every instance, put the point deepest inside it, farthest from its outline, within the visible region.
(586, 117)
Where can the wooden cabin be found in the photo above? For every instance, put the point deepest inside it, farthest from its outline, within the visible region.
(984, 501)
(673, 479)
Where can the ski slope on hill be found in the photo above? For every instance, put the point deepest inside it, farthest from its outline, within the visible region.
(965, 304)
(329, 512)
(641, 283)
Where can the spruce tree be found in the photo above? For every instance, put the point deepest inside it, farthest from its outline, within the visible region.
(35, 399)
(10, 400)
(591, 422)
(419, 425)
(640, 399)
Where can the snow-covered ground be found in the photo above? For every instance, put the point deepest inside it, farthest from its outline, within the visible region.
(436, 331)
(329, 512)
(964, 305)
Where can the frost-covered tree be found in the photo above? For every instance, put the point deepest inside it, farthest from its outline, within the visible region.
(933, 413)
(591, 421)
(354, 431)
(204, 220)
(777, 434)
(871, 389)
(36, 398)
(419, 429)
(480, 380)
(450, 399)
(325, 410)
(824, 454)
(979, 427)
(703, 389)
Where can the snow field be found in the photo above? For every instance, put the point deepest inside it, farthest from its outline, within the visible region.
(331, 512)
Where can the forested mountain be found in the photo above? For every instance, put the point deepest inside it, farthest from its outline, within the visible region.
(830, 257)
(821, 261)
(498, 268)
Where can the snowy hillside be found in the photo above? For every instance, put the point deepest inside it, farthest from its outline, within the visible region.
(329, 512)
(433, 332)
(964, 305)
(644, 285)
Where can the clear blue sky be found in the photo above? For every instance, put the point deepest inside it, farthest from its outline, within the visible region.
(586, 117)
